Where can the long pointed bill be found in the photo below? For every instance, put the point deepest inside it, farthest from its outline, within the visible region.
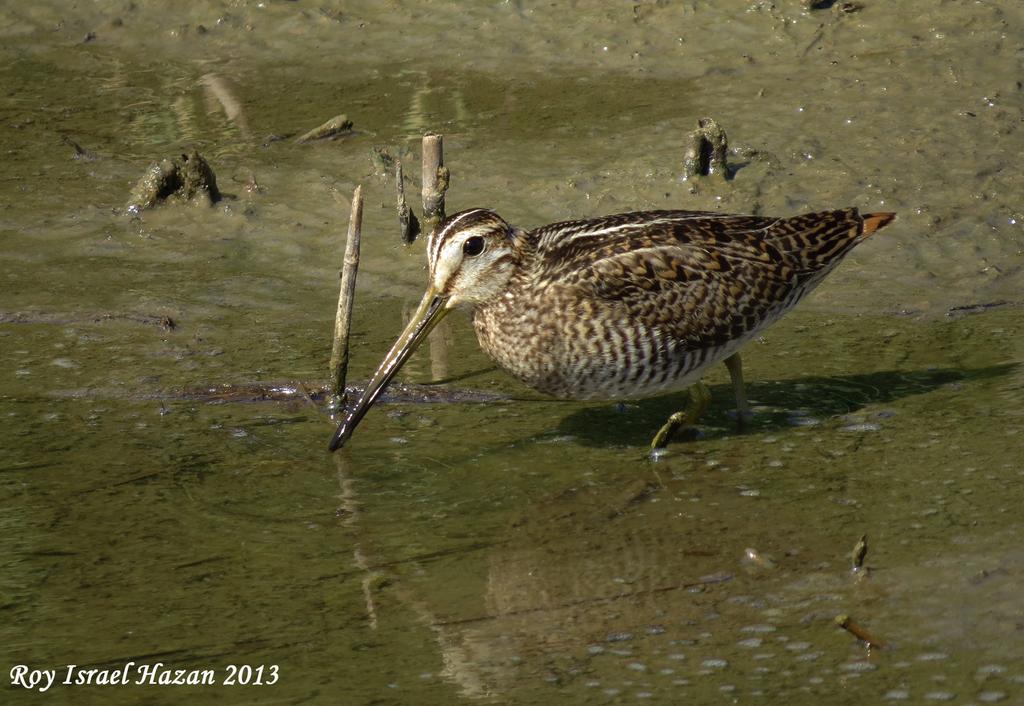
(431, 310)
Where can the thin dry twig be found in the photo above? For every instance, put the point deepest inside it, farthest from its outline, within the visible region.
(346, 293)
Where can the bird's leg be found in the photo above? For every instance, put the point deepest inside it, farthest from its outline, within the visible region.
(700, 397)
(735, 366)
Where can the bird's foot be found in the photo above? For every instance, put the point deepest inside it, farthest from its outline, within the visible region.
(743, 418)
(668, 429)
(700, 397)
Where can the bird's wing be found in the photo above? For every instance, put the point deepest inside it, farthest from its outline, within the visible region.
(704, 279)
(697, 295)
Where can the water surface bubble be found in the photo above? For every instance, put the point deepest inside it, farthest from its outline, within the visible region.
(861, 427)
(758, 628)
(657, 454)
(859, 667)
(988, 669)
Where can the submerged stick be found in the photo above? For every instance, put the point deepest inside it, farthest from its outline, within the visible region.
(435, 178)
(407, 221)
(336, 127)
(858, 632)
(343, 317)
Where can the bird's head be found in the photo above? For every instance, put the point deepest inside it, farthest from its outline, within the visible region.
(470, 259)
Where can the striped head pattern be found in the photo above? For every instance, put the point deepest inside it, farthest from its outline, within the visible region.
(470, 256)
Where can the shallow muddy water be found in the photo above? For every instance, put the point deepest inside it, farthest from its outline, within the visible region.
(512, 549)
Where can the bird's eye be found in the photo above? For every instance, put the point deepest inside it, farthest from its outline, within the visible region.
(473, 246)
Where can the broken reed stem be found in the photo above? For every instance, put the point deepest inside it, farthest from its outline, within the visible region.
(859, 553)
(706, 152)
(346, 293)
(407, 221)
(435, 178)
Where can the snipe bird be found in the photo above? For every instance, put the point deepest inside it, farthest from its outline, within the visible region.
(624, 306)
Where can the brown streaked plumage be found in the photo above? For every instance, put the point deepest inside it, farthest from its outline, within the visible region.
(623, 306)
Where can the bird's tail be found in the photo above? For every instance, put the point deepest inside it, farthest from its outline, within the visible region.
(816, 242)
(873, 222)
